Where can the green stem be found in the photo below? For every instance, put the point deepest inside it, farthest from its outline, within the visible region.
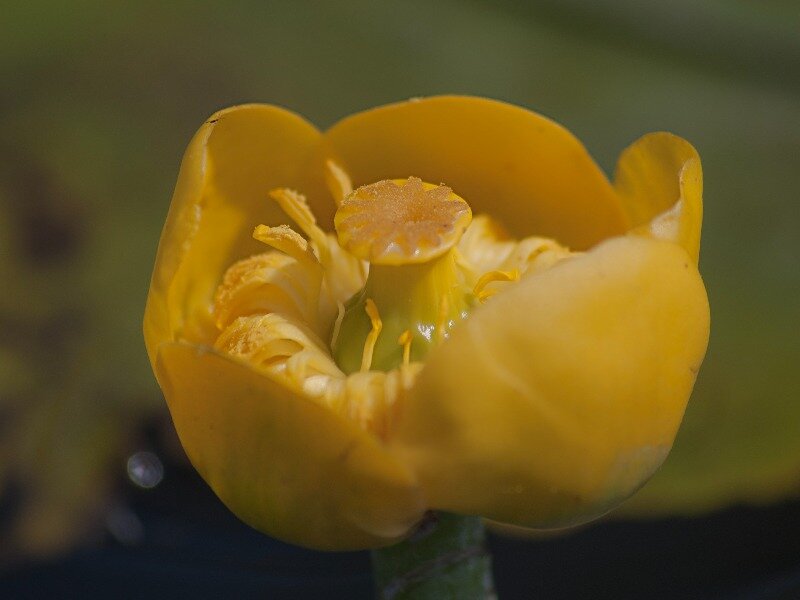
(445, 558)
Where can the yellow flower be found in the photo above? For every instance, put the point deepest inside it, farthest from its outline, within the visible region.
(533, 370)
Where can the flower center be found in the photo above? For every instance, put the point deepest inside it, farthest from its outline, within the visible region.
(415, 292)
(401, 221)
(307, 312)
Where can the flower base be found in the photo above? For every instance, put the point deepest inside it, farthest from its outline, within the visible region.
(445, 558)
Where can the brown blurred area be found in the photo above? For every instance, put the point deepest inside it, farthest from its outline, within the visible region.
(98, 102)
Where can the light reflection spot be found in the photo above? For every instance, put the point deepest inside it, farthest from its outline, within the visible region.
(145, 469)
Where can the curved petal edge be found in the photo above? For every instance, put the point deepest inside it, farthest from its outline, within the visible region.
(516, 165)
(558, 399)
(232, 162)
(282, 463)
(659, 180)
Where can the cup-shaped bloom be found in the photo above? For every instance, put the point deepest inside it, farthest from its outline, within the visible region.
(518, 343)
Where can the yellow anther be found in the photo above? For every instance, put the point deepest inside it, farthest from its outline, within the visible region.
(279, 344)
(338, 181)
(480, 291)
(294, 204)
(401, 222)
(529, 249)
(405, 341)
(287, 240)
(265, 283)
(337, 325)
(372, 336)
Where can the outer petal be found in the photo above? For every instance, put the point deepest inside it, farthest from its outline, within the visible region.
(660, 174)
(561, 396)
(234, 159)
(523, 169)
(282, 463)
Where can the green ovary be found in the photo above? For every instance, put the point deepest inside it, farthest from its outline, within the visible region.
(426, 299)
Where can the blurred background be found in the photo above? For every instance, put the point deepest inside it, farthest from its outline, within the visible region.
(97, 103)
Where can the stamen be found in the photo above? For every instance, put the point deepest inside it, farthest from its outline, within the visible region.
(338, 181)
(441, 321)
(405, 341)
(483, 294)
(337, 325)
(294, 204)
(265, 283)
(372, 336)
(288, 241)
(529, 249)
(281, 345)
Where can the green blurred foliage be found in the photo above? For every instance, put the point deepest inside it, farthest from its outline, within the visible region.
(98, 102)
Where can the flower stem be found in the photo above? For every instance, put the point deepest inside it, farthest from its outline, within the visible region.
(445, 558)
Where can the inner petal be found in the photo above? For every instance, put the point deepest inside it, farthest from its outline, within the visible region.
(301, 310)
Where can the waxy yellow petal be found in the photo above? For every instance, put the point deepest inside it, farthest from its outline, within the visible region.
(232, 162)
(520, 167)
(552, 402)
(282, 463)
(659, 180)
(559, 397)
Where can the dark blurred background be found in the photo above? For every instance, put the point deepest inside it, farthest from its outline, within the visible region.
(97, 103)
